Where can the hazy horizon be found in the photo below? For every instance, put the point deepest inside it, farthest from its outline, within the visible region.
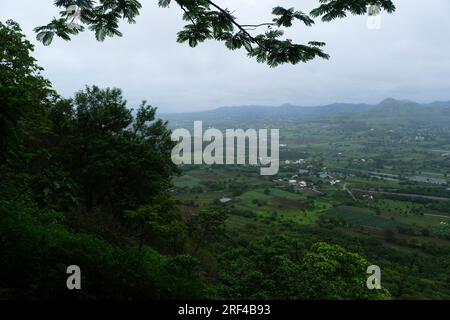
(305, 106)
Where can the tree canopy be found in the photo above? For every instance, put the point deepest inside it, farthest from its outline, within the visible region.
(209, 20)
(116, 160)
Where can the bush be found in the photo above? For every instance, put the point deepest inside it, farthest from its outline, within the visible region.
(36, 250)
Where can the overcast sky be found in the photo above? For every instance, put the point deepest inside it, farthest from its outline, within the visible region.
(408, 58)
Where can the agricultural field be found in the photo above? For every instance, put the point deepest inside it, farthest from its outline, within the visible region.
(374, 184)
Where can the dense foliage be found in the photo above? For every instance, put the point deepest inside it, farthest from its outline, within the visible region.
(37, 248)
(265, 270)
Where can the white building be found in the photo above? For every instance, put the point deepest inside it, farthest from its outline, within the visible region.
(225, 200)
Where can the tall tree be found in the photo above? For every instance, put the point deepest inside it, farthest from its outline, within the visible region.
(207, 225)
(158, 220)
(24, 93)
(117, 160)
(208, 19)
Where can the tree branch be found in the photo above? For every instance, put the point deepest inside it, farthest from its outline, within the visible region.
(258, 25)
(187, 13)
(240, 27)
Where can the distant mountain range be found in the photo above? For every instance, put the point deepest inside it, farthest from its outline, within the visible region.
(387, 110)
